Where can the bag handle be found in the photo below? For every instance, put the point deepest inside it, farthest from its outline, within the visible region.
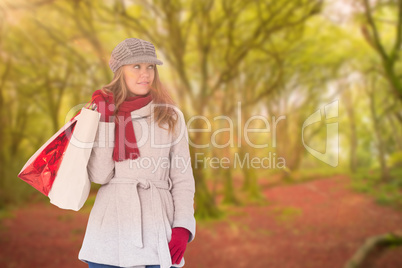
(88, 104)
(91, 102)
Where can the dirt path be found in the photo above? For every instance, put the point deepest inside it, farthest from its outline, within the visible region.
(314, 224)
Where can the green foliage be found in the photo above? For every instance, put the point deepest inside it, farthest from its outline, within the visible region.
(369, 182)
(89, 203)
(279, 58)
(287, 214)
(395, 160)
(6, 214)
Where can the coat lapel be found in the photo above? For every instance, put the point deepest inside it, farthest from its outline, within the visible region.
(143, 111)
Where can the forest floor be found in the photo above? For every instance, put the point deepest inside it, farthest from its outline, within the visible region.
(319, 223)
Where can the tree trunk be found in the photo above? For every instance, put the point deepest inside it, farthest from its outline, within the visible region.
(229, 196)
(397, 133)
(377, 132)
(347, 100)
(373, 248)
(205, 204)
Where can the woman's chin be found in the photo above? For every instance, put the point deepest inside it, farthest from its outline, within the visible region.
(140, 92)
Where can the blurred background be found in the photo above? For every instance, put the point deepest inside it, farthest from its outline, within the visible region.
(325, 75)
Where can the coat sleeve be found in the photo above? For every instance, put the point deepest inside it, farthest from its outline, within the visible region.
(101, 164)
(181, 174)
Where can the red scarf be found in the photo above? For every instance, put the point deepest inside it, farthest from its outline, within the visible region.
(125, 146)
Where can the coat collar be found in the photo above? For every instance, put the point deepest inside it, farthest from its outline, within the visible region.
(143, 111)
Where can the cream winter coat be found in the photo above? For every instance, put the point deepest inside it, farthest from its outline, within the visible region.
(140, 200)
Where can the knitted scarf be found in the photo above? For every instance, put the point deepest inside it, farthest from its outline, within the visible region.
(125, 146)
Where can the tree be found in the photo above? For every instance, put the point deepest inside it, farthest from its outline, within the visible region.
(389, 54)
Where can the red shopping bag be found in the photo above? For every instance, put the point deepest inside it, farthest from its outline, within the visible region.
(41, 169)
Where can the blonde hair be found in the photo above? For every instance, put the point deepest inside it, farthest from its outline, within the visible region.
(162, 113)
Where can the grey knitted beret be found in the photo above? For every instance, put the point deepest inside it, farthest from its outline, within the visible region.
(133, 50)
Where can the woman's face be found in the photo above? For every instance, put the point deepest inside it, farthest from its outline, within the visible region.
(139, 78)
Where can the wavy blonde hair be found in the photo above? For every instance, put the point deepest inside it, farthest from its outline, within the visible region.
(163, 113)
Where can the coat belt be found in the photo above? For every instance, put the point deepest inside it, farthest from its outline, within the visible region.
(134, 217)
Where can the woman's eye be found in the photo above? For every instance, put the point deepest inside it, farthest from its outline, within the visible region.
(138, 66)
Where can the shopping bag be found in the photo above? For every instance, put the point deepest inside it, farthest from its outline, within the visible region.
(71, 186)
(58, 168)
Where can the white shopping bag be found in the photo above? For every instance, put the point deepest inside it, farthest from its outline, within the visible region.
(71, 186)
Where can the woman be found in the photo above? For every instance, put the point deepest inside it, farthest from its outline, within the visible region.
(143, 215)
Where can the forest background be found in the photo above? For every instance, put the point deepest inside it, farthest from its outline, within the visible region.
(331, 70)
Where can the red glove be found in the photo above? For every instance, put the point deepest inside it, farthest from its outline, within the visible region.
(105, 108)
(178, 243)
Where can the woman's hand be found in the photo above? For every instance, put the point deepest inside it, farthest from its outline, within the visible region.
(178, 243)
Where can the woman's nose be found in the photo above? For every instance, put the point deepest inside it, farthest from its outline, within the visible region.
(144, 73)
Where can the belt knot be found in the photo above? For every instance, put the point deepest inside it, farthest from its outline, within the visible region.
(144, 183)
(130, 227)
